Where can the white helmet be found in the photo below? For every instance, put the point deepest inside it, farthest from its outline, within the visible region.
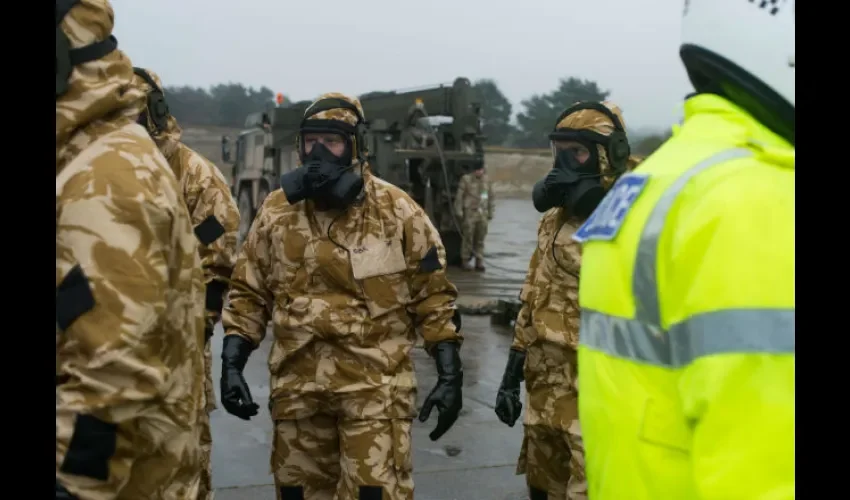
(757, 38)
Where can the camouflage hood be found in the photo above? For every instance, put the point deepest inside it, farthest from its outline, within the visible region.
(338, 120)
(168, 138)
(99, 91)
(595, 121)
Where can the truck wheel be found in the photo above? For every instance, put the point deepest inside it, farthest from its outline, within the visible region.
(246, 213)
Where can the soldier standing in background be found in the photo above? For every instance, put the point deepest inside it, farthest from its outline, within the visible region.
(416, 135)
(129, 291)
(474, 207)
(225, 149)
(215, 218)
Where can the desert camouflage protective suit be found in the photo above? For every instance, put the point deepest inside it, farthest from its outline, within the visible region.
(346, 292)
(129, 292)
(215, 218)
(474, 207)
(552, 454)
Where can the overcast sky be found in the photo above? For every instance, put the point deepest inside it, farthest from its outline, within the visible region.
(303, 48)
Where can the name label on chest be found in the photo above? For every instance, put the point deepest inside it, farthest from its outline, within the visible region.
(605, 222)
(377, 259)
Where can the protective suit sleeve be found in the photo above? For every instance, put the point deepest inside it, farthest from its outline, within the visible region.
(215, 218)
(523, 327)
(433, 296)
(729, 305)
(462, 188)
(109, 302)
(249, 301)
(524, 323)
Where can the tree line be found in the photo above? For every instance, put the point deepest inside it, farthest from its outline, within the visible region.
(227, 105)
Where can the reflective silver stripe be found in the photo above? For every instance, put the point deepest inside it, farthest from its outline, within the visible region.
(767, 331)
(644, 287)
(727, 331)
(624, 338)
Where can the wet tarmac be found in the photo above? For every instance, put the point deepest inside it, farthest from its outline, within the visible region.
(477, 457)
(511, 239)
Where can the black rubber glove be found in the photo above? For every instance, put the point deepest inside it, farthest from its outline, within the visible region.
(508, 405)
(235, 396)
(447, 395)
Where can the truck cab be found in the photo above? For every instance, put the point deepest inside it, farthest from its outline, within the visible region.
(262, 156)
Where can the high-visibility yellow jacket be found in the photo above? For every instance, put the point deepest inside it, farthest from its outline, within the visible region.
(686, 361)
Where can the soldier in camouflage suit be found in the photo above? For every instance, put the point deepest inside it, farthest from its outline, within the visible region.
(415, 135)
(474, 207)
(543, 352)
(215, 218)
(129, 290)
(345, 289)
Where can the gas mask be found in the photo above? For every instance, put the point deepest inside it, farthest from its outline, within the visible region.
(578, 187)
(324, 178)
(570, 184)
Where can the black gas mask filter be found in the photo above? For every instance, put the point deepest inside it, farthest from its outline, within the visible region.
(570, 184)
(155, 116)
(323, 177)
(578, 186)
(66, 57)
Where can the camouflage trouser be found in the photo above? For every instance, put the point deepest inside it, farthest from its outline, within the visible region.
(164, 465)
(552, 455)
(553, 461)
(474, 232)
(325, 457)
(206, 489)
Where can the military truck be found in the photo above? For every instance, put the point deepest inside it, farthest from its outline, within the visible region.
(422, 140)
(262, 154)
